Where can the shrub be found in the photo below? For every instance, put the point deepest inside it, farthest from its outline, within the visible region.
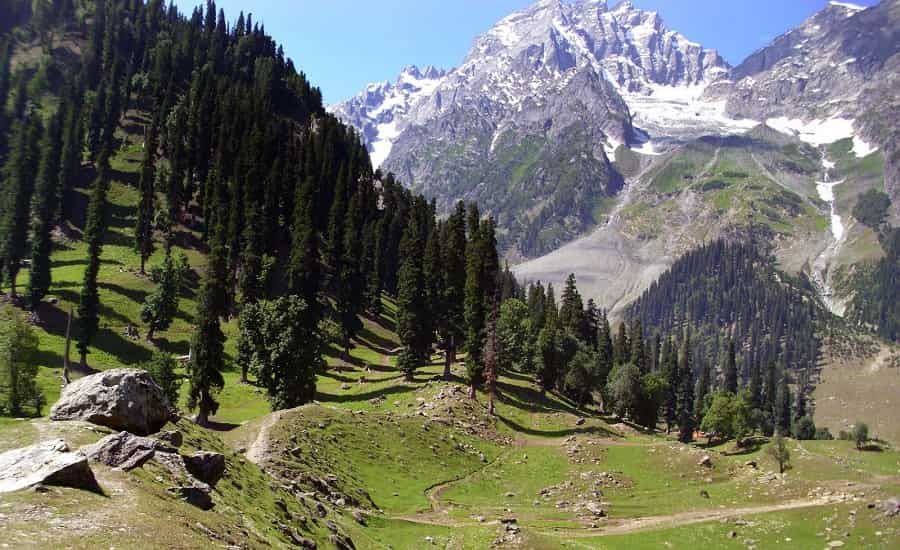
(824, 434)
(162, 369)
(804, 428)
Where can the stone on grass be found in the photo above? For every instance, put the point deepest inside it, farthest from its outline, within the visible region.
(46, 463)
(122, 450)
(207, 466)
(121, 399)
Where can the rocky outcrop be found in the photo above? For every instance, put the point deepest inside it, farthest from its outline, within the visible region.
(208, 467)
(48, 463)
(122, 399)
(123, 450)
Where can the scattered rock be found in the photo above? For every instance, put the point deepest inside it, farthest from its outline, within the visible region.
(706, 461)
(890, 507)
(732, 534)
(208, 467)
(195, 495)
(704, 493)
(122, 450)
(358, 517)
(751, 464)
(122, 399)
(835, 544)
(341, 542)
(579, 422)
(48, 463)
(172, 438)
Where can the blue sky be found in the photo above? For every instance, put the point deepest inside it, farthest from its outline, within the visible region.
(344, 44)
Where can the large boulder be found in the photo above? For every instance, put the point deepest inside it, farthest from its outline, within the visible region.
(206, 466)
(48, 463)
(122, 399)
(123, 450)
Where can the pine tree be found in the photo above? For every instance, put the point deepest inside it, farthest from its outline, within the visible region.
(71, 148)
(43, 207)
(94, 229)
(571, 311)
(731, 375)
(452, 324)
(304, 270)
(754, 387)
(783, 406)
(638, 354)
(411, 302)
(474, 305)
(685, 402)
(160, 307)
(208, 345)
(703, 383)
(143, 231)
(19, 176)
(621, 347)
(673, 379)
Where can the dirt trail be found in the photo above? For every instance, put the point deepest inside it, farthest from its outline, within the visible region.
(258, 451)
(625, 526)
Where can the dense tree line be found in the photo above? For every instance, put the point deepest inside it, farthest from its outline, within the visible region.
(300, 234)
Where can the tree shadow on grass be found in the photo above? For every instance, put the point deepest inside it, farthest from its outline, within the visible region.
(377, 343)
(221, 426)
(124, 350)
(365, 396)
(135, 295)
(531, 400)
(591, 430)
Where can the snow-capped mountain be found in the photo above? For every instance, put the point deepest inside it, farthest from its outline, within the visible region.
(528, 122)
(378, 111)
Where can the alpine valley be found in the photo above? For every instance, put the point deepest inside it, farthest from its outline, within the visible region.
(608, 145)
(593, 288)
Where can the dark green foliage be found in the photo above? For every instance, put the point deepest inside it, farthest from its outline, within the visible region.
(43, 208)
(731, 374)
(685, 397)
(143, 230)
(783, 406)
(160, 307)
(860, 434)
(571, 309)
(278, 347)
(515, 336)
(412, 323)
(451, 325)
(875, 289)
(208, 347)
(871, 208)
(804, 428)
(779, 451)
(162, 368)
(770, 315)
(94, 229)
(18, 367)
(18, 175)
(624, 390)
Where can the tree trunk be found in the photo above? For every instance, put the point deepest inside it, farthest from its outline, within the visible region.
(202, 418)
(84, 359)
(150, 335)
(491, 405)
(143, 261)
(447, 363)
(65, 374)
(472, 392)
(243, 374)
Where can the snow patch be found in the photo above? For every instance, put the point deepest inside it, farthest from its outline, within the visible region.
(861, 148)
(814, 132)
(852, 7)
(381, 147)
